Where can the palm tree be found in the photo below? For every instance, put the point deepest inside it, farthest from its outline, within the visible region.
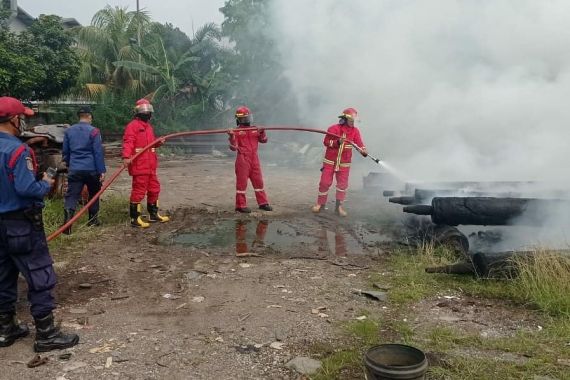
(108, 39)
(193, 74)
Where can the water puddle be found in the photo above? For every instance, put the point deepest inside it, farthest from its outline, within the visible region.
(298, 237)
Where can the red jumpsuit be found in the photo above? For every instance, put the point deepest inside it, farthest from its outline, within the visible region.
(139, 134)
(337, 161)
(247, 164)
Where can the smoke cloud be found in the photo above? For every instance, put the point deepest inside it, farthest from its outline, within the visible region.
(446, 90)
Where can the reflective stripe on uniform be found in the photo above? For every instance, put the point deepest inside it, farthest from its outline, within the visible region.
(14, 157)
(341, 190)
(324, 193)
(240, 191)
(258, 190)
(341, 165)
(140, 150)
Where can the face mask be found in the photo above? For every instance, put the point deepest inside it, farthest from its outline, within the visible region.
(18, 126)
(144, 116)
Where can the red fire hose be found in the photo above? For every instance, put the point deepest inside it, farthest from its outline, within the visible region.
(177, 134)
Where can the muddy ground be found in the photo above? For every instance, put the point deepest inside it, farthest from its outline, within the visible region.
(214, 294)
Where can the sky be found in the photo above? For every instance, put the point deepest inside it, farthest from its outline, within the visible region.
(181, 13)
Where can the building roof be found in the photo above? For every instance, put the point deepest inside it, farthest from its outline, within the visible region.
(26, 19)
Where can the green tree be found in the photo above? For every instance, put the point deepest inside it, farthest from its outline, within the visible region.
(111, 37)
(38, 63)
(53, 50)
(189, 83)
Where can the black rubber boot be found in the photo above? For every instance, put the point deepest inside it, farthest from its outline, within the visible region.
(154, 216)
(10, 330)
(265, 207)
(93, 220)
(135, 214)
(243, 210)
(67, 215)
(49, 337)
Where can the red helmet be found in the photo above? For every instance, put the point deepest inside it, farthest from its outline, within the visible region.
(143, 106)
(349, 114)
(243, 115)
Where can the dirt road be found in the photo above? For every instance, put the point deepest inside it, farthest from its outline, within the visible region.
(177, 302)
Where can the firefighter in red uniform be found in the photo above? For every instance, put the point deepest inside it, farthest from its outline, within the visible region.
(247, 162)
(338, 156)
(138, 134)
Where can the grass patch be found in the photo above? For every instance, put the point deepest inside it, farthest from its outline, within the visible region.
(410, 283)
(346, 362)
(545, 281)
(333, 366)
(365, 331)
(114, 211)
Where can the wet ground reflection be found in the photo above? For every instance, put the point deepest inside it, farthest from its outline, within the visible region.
(249, 236)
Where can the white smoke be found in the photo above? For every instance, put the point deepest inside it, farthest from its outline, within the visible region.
(447, 89)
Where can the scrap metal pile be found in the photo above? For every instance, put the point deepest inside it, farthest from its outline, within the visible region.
(438, 208)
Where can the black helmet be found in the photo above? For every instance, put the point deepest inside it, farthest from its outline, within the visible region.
(84, 109)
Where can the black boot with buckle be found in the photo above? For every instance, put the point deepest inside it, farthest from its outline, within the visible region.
(49, 337)
(10, 330)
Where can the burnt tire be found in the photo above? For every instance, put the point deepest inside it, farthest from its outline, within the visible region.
(452, 239)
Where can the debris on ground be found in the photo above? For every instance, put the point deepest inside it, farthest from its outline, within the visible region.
(304, 365)
(75, 310)
(73, 366)
(277, 345)
(372, 294)
(169, 296)
(37, 361)
(65, 356)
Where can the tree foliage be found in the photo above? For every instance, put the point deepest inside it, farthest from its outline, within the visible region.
(110, 38)
(193, 81)
(53, 50)
(38, 63)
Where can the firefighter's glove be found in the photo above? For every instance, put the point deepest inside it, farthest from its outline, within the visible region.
(364, 152)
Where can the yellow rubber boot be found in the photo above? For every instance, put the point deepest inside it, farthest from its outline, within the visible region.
(136, 219)
(154, 216)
